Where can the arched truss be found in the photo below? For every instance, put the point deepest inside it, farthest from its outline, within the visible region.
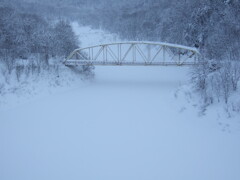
(134, 53)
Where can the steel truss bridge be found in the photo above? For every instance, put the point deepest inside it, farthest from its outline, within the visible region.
(134, 54)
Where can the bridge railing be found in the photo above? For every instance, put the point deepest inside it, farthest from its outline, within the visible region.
(134, 53)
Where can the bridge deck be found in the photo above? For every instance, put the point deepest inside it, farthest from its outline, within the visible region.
(101, 63)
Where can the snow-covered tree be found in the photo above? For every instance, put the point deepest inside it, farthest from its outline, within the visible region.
(64, 39)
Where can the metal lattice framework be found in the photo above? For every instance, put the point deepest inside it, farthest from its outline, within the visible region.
(134, 53)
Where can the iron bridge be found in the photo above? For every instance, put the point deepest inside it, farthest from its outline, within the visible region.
(134, 54)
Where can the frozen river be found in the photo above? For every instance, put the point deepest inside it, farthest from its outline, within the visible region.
(127, 124)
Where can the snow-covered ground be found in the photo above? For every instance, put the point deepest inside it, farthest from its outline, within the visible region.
(129, 123)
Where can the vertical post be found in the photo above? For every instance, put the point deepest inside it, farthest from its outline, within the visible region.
(89, 54)
(149, 53)
(195, 59)
(164, 54)
(120, 52)
(134, 52)
(179, 57)
(104, 55)
(92, 55)
(118, 49)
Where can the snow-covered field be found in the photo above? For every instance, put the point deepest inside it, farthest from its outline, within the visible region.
(129, 123)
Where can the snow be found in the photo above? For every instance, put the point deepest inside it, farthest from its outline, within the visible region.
(128, 123)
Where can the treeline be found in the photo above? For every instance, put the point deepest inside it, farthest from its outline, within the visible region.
(24, 35)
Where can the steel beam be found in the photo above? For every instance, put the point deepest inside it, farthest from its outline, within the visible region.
(105, 55)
